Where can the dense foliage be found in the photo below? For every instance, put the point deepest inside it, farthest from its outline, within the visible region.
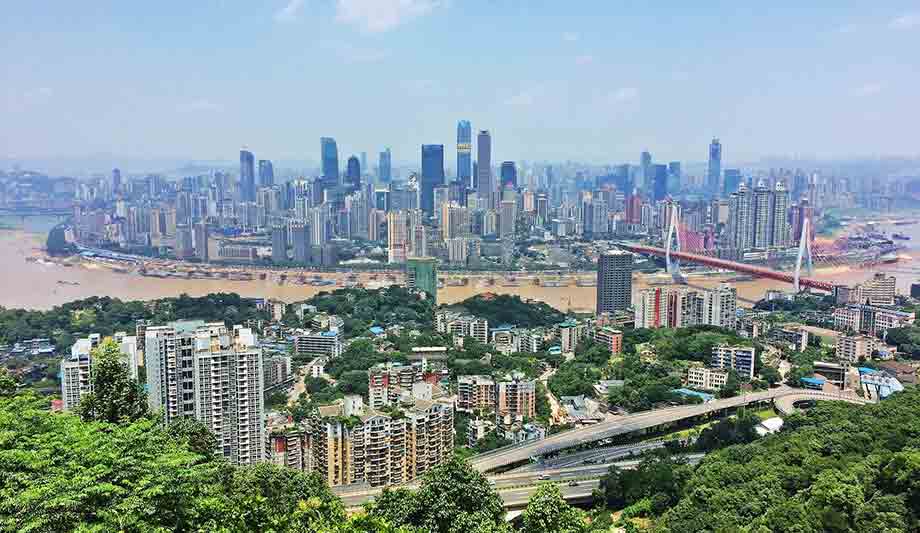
(836, 468)
(659, 479)
(501, 309)
(363, 308)
(907, 339)
(115, 397)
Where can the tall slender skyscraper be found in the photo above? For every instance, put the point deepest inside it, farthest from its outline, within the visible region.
(509, 174)
(658, 181)
(714, 176)
(432, 174)
(644, 177)
(266, 173)
(484, 164)
(464, 154)
(385, 166)
(614, 281)
(247, 176)
(732, 180)
(329, 153)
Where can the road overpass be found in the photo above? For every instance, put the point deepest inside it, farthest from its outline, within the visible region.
(612, 427)
(785, 405)
(735, 266)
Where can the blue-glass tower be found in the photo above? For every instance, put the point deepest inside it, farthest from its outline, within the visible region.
(432, 174)
(465, 153)
(247, 176)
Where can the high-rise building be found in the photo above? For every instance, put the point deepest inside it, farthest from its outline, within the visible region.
(507, 216)
(329, 153)
(385, 167)
(762, 216)
(300, 239)
(740, 231)
(397, 236)
(432, 175)
(422, 274)
(779, 222)
(213, 374)
(738, 358)
(201, 241)
(116, 181)
(247, 176)
(644, 178)
(509, 175)
(266, 173)
(614, 281)
(516, 396)
(484, 164)
(279, 244)
(464, 154)
(732, 181)
(658, 182)
(714, 174)
(76, 368)
(353, 173)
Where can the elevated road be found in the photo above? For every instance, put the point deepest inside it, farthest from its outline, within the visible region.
(786, 404)
(522, 452)
(730, 265)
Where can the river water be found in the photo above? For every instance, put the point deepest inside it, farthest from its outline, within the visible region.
(37, 284)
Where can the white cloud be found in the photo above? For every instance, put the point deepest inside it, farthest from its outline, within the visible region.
(869, 89)
(570, 36)
(908, 21)
(623, 94)
(289, 12)
(584, 60)
(382, 15)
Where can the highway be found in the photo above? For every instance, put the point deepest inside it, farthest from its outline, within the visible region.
(588, 457)
(610, 427)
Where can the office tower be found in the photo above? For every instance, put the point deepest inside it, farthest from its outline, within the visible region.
(279, 244)
(266, 173)
(432, 175)
(464, 154)
(422, 274)
(740, 229)
(762, 215)
(645, 164)
(509, 175)
(116, 181)
(397, 236)
(484, 164)
(211, 373)
(385, 167)
(247, 177)
(201, 241)
(506, 218)
(329, 153)
(300, 239)
(658, 182)
(77, 367)
(614, 281)
(732, 181)
(364, 161)
(714, 174)
(353, 173)
(779, 223)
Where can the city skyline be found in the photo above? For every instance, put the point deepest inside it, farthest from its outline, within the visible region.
(555, 85)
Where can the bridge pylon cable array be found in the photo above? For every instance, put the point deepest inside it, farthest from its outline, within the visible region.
(804, 251)
(673, 265)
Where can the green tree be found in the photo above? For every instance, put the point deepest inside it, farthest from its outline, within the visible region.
(770, 375)
(548, 511)
(8, 385)
(115, 397)
(193, 434)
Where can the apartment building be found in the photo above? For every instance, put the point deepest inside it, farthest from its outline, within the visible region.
(516, 396)
(387, 381)
(610, 338)
(706, 378)
(462, 325)
(277, 369)
(319, 344)
(677, 307)
(475, 393)
(286, 446)
(351, 443)
(76, 367)
(214, 374)
(570, 333)
(870, 319)
(737, 358)
(854, 348)
(880, 290)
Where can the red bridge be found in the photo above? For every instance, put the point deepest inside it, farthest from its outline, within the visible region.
(760, 272)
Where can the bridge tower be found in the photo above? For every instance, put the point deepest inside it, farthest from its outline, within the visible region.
(673, 265)
(804, 251)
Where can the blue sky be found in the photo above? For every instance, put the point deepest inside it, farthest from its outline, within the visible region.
(593, 81)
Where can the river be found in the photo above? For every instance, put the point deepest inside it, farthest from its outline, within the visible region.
(37, 284)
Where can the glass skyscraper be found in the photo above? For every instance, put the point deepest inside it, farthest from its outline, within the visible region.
(659, 181)
(432, 174)
(247, 176)
(330, 159)
(266, 173)
(465, 153)
(714, 176)
(484, 164)
(509, 174)
(353, 172)
(385, 166)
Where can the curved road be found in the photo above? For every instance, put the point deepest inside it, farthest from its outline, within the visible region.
(626, 424)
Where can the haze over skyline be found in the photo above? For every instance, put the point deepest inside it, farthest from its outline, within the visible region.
(598, 82)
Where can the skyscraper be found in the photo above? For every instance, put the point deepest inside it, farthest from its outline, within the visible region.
(658, 181)
(484, 164)
(116, 181)
(432, 175)
(740, 229)
(385, 166)
(762, 215)
(266, 173)
(644, 177)
(213, 374)
(614, 281)
(329, 153)
(509, 174)
(464, 154)
(353, 173)
(422, 274)
(201, 241)
(779, 225)
(714, 175)
(247, 177)
(732, 180)
(279, 244)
